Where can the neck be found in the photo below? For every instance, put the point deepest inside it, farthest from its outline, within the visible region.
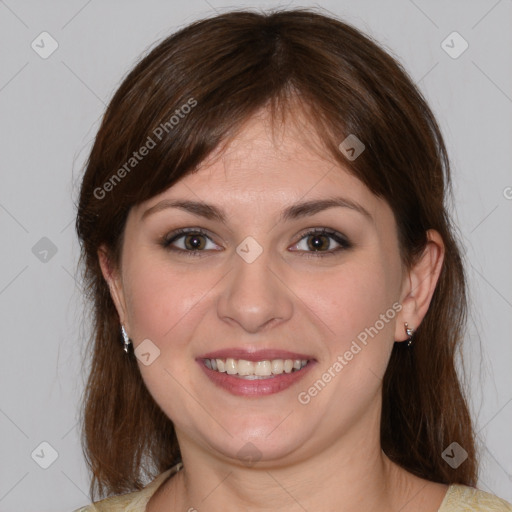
(352, 474)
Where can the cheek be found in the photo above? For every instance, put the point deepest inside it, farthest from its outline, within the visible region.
(165, 305)
(358, 304)
(353, 298)
(162, 298)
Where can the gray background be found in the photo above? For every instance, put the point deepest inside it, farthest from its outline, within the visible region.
(50, 111)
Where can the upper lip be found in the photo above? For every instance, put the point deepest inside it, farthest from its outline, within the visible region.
(254, 355)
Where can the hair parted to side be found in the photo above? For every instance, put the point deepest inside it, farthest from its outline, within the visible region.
(232, 65)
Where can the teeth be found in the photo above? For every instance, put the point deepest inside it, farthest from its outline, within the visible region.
(262, 368)
(255, 370)
(277, 366)
(245, 367)
(231, 367)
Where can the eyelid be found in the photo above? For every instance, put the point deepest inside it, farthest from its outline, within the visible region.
(169, 238)
(338, 237)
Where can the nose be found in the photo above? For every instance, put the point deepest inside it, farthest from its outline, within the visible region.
(255, 295)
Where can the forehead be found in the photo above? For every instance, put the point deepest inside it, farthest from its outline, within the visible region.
(265, 166)
(262, 143)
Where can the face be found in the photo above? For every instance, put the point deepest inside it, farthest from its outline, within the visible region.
(268, 282)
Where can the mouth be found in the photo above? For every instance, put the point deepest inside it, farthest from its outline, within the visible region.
(249, 370)
(255, 373)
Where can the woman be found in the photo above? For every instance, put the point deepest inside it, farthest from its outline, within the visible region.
(264, 233)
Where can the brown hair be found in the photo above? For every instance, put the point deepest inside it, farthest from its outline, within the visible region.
(226, 68)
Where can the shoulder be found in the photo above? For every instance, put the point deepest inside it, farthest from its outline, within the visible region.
(461, 498)
(132, 502)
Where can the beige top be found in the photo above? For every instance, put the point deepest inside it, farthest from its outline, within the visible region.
(459, 498)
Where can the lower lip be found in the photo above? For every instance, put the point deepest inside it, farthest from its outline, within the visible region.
(258, 387)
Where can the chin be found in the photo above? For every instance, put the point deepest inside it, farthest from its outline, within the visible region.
(259, 440)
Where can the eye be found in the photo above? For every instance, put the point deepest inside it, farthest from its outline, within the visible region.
(192, 240)
(314, 243)
(317, 242)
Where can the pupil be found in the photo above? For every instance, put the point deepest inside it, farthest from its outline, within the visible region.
(317, 242)
(194, 242)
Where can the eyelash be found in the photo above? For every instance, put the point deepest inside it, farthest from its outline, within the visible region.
(337, 237)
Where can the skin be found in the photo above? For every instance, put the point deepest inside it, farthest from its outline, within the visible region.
(188, 306)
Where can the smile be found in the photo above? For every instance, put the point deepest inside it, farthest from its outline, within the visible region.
(255, 373)
(252, 370)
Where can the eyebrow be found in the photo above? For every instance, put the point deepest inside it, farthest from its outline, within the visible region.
(295, 211)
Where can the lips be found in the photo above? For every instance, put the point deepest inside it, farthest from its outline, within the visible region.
(255, 355)
(266, 382)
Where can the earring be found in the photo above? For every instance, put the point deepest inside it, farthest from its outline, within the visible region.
(127, 341)
(410, 333)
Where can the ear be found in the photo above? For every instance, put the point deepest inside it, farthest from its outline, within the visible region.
(112, 276)
(419, 285)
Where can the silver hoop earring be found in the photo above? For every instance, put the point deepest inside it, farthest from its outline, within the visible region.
(410, 333)
(126, 339)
